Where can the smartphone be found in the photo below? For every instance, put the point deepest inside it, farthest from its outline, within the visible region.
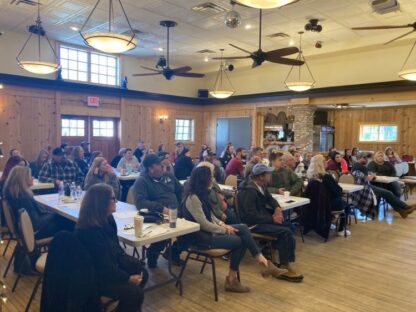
(289, 201)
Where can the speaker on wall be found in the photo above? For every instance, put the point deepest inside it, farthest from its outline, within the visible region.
(202, 93)
(320, 118)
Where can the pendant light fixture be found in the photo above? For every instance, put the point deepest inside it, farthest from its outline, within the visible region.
(109, 41)
(410, 73)
(266, 4)
(301, 84)
(38, 66)
(219, 91)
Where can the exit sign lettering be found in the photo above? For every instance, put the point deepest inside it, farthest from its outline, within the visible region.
(93, 101)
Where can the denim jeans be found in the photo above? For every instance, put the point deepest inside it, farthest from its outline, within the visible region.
(285, 242)
(392, 199)
(393, 187)
(238, 244)
(231, 217)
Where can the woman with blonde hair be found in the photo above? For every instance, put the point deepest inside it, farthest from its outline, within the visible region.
(18, 195)
(101, 172)
(37, 164)
(317, 171)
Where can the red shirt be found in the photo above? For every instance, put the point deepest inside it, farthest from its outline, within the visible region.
(235, 167)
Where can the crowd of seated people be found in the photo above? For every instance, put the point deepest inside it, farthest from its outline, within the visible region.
(159, 188)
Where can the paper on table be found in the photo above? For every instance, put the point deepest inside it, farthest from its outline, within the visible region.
(125, 215)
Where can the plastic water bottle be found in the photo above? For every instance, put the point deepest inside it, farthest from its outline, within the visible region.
(128, 169)
(73, 191)
(78, 192)
(61, 192)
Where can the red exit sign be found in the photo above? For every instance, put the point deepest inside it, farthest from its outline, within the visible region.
(93, 101)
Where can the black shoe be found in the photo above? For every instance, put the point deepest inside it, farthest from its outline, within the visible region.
(151, 261)
(175, 258)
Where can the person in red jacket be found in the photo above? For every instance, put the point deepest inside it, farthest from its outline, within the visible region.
(235, 165)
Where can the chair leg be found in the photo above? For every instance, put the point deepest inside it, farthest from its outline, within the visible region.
(7, 246)
(19, 275)
(9, 263)
(183, 267)
(35, 289)
(214, 278)
(203, 266)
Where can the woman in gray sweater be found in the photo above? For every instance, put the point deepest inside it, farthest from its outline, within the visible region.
(101, 172)
(216, 234)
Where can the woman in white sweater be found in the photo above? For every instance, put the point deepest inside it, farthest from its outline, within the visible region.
(216, 234)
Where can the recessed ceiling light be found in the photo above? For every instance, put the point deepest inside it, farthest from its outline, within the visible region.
(206, 59)
(160, 49)
(248, 26)
(74, 28)
(1, 86)
(291, 42)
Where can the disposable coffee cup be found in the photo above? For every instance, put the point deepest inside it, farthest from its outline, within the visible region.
(138, 225)
(173, 215)
(286, 194)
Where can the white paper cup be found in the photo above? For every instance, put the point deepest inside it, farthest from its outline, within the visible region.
(138, 225)
(286, 194)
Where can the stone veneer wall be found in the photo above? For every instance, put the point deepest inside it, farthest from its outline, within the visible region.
(303, 126)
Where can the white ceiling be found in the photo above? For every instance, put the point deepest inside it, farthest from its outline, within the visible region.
(198, 31)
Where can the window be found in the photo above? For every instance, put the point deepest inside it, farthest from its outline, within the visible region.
(103, 128)
(86, 66)
(73, 127)
(378, 133)
(184, 130)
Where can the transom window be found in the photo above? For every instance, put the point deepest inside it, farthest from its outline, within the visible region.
(184, 130)
(86, 66)
(378, 133)
(73, 127)
(103, 128)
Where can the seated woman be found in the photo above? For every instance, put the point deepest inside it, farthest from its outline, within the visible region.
(119, 276)
(18, 194)
(36, 165)
(337, 163)
(401, 167)
(101, 172)
(10, 164)
(317, 171)
(116, 159)
(216, 234)
(384, 168)
(77, 156)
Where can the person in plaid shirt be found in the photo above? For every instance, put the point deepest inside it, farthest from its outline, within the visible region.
(60, 169)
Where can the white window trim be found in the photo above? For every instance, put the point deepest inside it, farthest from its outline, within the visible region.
(379, 124)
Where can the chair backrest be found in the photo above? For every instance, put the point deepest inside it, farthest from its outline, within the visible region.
(335, 174)
(346, 178)
(26, 230)
(130, 196)
(231, 180)
(10, 221)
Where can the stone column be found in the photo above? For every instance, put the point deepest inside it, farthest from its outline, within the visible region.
(303, 126)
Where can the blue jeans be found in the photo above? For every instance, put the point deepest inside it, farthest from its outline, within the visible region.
(238, 244)
(285, 242)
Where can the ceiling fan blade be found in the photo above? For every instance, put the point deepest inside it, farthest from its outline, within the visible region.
(146, 74)
(231, 57)
(382, 27)
(281, 52)
(255, 64)
(397, 38)
(241, 49)
(287, 61)
(182, 69)
(190, 75)
(149, 68)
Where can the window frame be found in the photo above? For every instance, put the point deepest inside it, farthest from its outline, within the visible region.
(69, 127)
(89, 65)
(379, 124)
(103, 120)
(192, 130)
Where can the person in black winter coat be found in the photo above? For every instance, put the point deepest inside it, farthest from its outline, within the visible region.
(119, 276)
(183, 165)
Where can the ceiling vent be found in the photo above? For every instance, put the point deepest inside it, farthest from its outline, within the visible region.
(385, 6)
(279, 34)
(205, 51)
(28, 2)
(209, 8)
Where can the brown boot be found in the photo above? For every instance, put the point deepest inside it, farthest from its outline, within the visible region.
(235, 286)
(291, 275)
(406, 211)
(271, 269)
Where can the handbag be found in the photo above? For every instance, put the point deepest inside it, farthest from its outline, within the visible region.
(151, 216)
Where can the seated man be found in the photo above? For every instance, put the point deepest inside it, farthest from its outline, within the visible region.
(283, 178)
(156, 191)
(258, 208)
(60, 169)
(255, 158)
(235, 166)
(360, 173)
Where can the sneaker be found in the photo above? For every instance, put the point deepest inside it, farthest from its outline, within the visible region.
(272, 269)
(235, 286)
(290, 276)
(342, 233)
(293, 215)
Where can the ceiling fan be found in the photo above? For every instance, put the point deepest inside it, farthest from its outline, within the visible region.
(390, 27)
(259, 56)
(166, 71)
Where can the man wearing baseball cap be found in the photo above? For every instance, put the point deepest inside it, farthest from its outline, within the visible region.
(260, 210)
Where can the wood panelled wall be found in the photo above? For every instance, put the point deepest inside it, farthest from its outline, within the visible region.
(347, 127)
(30, 119)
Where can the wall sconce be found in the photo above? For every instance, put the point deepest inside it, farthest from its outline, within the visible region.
(162, 118)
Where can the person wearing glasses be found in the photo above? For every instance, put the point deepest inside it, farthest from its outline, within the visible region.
(119, 276)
